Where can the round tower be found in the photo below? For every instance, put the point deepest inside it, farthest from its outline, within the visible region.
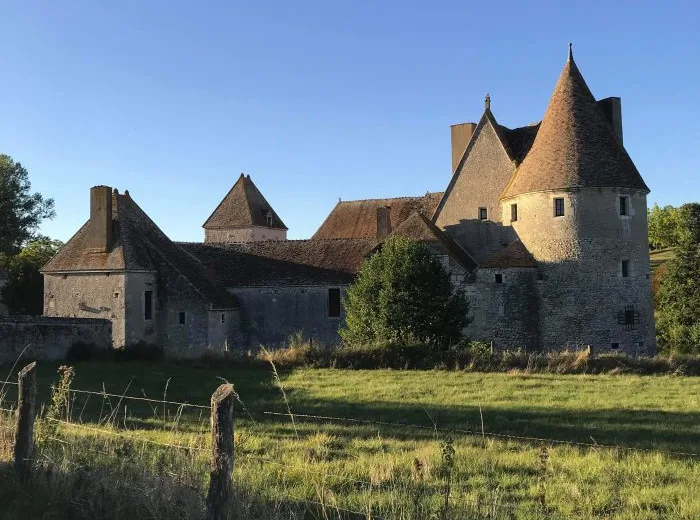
(578, 204)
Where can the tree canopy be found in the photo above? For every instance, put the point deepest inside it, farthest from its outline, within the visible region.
(21, 211)
(402, 294)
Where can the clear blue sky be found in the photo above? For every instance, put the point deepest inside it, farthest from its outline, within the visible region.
(320, 99)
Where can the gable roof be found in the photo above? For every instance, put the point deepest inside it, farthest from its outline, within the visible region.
(514, 254)
(358, 218)
(421, 229)
(282, 262)
(139, 245)
(243, 206)
(575, 145)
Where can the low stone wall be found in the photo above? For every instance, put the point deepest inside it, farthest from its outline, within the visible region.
(49, 339)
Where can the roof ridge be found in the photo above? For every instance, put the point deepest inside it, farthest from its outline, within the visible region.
(404, 197)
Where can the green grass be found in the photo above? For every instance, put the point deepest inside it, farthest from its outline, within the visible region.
(358, 466)
(659, 257)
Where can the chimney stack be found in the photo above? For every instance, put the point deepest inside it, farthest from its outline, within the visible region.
(461, 134)
(100, 228)
(383, 222)
(612, 108)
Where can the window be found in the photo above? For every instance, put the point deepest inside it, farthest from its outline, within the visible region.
(629, 317)
(269, 220)
(624, 205)
(148, 305)
(540, 276)
(559, 207)
(483, 214)
(498, 278)
(181, 319)
(223, 318)
(513, 212)
(333, 303)
(625, 268)
(615, 346)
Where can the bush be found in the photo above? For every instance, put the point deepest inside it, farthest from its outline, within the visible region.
(140, 351)
(82, 351)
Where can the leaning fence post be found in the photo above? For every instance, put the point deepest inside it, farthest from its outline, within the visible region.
(24, 433)
(220, 495)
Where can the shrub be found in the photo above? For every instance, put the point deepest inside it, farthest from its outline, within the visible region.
(140, 351)
(82, 351)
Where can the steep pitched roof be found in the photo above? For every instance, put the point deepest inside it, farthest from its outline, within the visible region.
(358, 218)
(139, 245)
(575, 146)
(243, 206)
(421, 229)
(282, 262)
(514, 254)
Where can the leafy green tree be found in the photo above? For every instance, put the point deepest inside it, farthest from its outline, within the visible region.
(24, 291)
(663, 227)
(21, 211)
(678, 298)
(401, 294)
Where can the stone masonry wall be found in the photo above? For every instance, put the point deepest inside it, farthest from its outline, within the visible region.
(49, 339)
(250, 234)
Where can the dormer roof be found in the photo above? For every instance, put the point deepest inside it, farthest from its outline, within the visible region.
(575, 146)
(244, 206)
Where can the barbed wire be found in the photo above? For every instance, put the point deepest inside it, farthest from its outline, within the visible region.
(9, 383)
(135, 398)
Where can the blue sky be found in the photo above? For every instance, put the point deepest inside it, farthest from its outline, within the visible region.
(320, 100)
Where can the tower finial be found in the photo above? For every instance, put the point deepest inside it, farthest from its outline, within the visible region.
(487, 102)
(571, 52)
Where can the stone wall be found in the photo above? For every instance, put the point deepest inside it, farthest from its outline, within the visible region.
(49, 339)
(271, 314)
(249, 234)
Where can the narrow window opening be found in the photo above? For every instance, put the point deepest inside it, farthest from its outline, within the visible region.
(181, 319)
(625, 268)
(540, 276)
(498, 278)
(223, 318)
(148, 305)
(513, 212)
(269, 220)
(559, 207)
(483, 214)
(334, 303)
(624, 207)
(615, 346)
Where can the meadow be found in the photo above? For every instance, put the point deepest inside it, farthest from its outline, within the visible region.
(398, 444)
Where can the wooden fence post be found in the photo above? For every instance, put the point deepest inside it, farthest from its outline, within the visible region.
(220, 495)
(24, 433)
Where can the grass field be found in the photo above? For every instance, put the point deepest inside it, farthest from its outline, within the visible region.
(659, 257)
(326, 468)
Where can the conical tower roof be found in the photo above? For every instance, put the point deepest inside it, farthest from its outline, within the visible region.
(243, 206)
(575, 146)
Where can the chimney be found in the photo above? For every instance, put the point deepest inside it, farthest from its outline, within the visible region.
(612, 109)
(383, 222)
(461, 134)
(100, 229)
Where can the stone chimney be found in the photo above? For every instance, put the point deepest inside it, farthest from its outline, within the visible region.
(461, 134)
(100, 229)
(383, 222)
(612, 108)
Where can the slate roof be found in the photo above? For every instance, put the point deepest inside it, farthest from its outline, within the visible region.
(358, 218)
(421, 229)
(139, 245)
(282, 262)
(243, 206)
(514, 254)
(575, 145)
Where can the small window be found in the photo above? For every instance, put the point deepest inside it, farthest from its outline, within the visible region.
(513, 212)
(540, 276)
(498, 278)
(116, 295)
(333, 303)
(625, 268)
(483, 214)
(624, 205)
(223, 318)
(269, 220)
(181, 319)
(148, 305)
(615, 346)
(559, 207)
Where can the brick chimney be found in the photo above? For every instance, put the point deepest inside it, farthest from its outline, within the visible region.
(612, 108)
(383, 222)
(100, 229)
(461, 134)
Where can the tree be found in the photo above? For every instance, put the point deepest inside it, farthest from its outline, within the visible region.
(24, 291)
(21, 211)
(678, 297)
(403, 293)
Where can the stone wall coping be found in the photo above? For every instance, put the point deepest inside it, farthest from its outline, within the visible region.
(51, 320)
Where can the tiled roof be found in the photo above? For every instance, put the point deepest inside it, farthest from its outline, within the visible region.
(419, 228)
(358, 218)
(282, 262)
(243, 206)
(575, 145)
(519, 140)
(139, 246)
(514, 254)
